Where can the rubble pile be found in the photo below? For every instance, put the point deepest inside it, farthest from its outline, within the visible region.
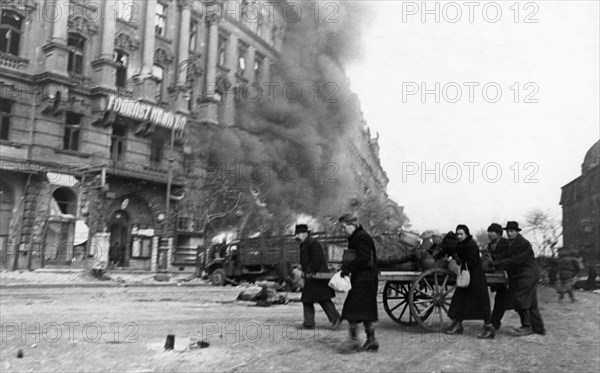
(396, 249)
(264, 294)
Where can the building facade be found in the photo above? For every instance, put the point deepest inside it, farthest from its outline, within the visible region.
(580, 202)
(98, 100)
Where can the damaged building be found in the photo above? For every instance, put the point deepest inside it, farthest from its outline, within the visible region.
(108, 111)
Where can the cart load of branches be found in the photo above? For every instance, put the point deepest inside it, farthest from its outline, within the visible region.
(394, 249)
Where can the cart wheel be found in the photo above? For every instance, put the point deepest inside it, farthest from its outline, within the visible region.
(395, 302)
(429, 298)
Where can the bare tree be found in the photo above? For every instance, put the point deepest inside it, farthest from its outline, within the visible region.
(546, 230)
(482, 237)
(204, 202)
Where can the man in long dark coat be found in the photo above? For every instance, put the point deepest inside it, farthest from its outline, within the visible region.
(523, 276)
(361, 302)
(498, 249)
(312, 260)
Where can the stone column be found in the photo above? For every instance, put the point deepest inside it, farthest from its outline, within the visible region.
(57, 13)
(183, 55)
(184, 43)
(59, 20)
(229, 112)
(149, 38)
(146, 85)
(109, 28)
(104, 69)
(212, 54)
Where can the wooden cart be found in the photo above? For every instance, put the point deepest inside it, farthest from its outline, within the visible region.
(421, 297)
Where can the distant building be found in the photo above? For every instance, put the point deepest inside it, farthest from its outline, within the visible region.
(580, 202)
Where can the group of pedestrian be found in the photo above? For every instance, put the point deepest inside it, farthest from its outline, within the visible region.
(514, 255)
(360, 305)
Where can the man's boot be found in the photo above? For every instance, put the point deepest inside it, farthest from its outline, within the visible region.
(489, 332)
(351, 345)
(371, 344)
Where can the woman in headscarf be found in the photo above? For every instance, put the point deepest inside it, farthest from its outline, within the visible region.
(472, 302)
(361, 303)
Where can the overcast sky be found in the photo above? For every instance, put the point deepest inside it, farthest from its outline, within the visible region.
(545, 138)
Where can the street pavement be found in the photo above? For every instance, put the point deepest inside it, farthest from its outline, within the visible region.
(124, 329)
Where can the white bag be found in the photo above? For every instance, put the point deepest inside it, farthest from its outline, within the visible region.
(463, 279)
(339, 283)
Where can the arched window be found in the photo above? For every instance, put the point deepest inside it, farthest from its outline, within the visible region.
(11, 23)
(66, 200)
(76, 44)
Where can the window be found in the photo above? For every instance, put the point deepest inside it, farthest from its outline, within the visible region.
(260, 24)
(66, 200)
(72, 129)
(124, 9)
(10, 32)
(158, 72)
(118, 141)
(156, 151)
(193, 35)
(121, 60)
(274, 35)
(272, 69)
(141, 247)
(5, 113)
(76, 44)
(242, 58)
(259, 61)
(222, 60)
(160, 19)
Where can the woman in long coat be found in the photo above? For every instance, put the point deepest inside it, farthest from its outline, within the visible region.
(472, 302)
(361, 302)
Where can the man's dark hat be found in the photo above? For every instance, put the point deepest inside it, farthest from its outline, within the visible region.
(495, 227)
(301, 228)
(512, 225)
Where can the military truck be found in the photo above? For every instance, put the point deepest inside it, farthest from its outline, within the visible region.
(264, 258)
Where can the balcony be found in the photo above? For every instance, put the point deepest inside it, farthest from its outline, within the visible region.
(12, 62)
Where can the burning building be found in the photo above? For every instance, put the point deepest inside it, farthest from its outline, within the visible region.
(119, 121)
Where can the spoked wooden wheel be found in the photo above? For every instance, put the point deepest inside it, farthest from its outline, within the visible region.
(395, 302)
(429, 298)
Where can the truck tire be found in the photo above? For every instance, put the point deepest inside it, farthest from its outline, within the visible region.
(217, 278)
